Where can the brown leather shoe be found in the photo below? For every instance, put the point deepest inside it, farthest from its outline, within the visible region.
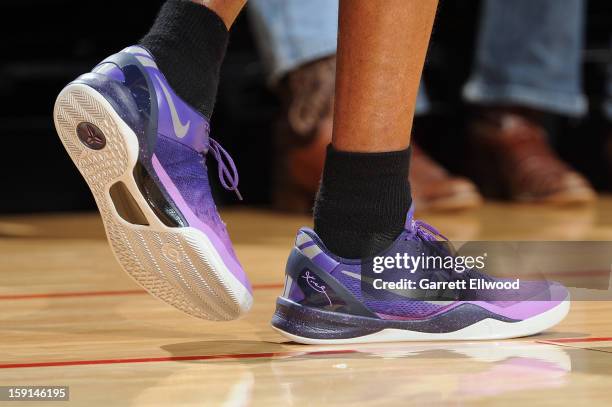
(513, 159)
(433, 188)
(305, 129)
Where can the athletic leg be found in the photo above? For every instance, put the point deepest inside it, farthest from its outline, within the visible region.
(381, 51)
(227, 10)
(364, 194)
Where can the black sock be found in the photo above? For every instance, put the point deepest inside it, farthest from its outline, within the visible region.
(362, 202)
(188, 42)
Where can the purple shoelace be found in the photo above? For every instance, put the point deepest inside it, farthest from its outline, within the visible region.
(227, 176)
(428, 233)
(421, 229)
(425, 231)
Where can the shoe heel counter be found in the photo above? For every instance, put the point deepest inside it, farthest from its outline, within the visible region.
(298, 265)
(119, 96)
(309, 282)
(291, 289)
(123, 80)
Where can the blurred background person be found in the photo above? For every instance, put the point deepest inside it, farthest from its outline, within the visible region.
(528, 64)
(527, 67)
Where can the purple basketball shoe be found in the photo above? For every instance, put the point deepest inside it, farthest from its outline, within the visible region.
(330, 300)
(141, 150)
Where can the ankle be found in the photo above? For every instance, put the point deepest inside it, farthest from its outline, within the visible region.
(188, 42)
(362, 201)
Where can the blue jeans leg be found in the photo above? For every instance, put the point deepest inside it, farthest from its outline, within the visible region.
(290, 33)
(529, 54)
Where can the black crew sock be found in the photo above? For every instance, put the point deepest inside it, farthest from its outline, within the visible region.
(362, 202)
(188, 42)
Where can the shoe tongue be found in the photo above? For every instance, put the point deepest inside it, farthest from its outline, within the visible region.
(409, 216)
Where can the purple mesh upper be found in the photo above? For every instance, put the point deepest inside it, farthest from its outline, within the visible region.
(187, 170)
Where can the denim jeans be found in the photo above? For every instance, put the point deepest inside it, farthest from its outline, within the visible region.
(528, 51)
(290, 33)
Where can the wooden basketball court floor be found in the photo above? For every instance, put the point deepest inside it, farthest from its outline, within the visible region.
(70, 316)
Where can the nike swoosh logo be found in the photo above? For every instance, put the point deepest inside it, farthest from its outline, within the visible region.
(401, 293)
(179, 128)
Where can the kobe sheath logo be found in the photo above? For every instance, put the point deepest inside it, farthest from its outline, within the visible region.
(312, 283)
(179, 128)
(91, 136)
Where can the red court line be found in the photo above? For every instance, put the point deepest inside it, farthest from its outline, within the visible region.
(173, 359)
(574, 273)
(104, 293)
(71, 294)
(577, 340)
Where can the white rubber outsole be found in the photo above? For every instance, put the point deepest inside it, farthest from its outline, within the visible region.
(180, 266)
(487, 329)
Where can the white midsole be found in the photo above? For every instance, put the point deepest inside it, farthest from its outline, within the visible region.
(482, 330)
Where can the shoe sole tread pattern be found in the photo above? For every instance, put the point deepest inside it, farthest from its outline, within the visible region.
(180, 266)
